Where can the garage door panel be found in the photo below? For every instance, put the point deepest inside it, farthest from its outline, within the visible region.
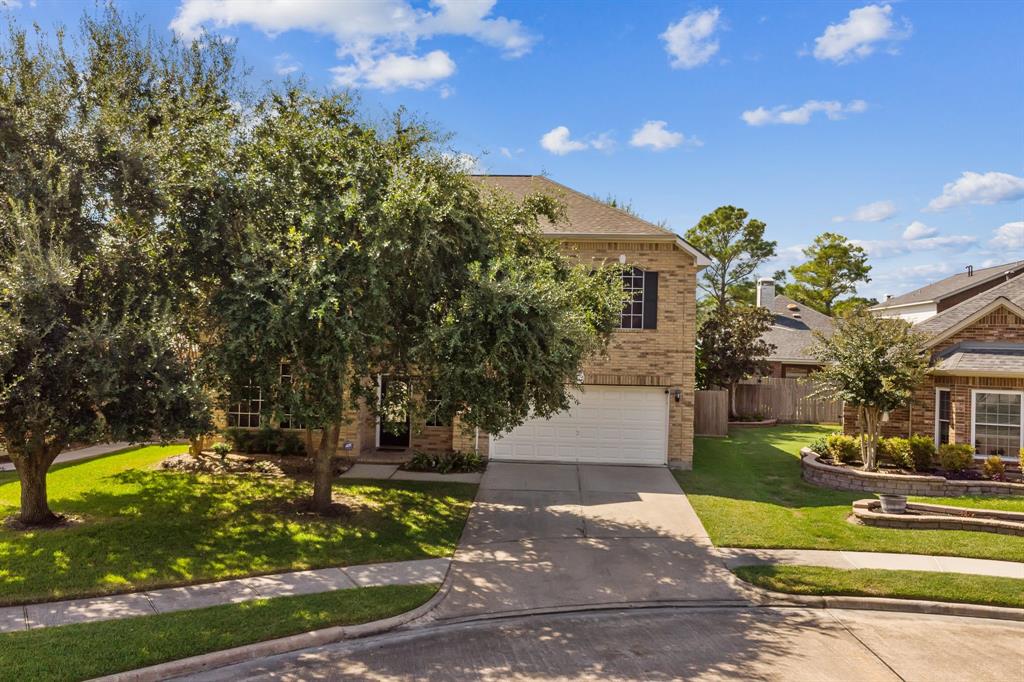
(610, 424)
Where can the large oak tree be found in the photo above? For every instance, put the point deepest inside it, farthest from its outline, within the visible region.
(111, 155)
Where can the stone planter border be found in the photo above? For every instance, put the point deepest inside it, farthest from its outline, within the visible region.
(995, 521)
(814, 471)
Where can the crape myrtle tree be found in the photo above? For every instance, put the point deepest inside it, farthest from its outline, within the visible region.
(364, 251)
(110, 150)
(872, 364)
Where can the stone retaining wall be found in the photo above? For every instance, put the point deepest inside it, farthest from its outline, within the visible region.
(939, 517)
(847, 478)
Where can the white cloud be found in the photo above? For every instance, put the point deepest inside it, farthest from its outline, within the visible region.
(874, 212)
(918, 230)
(557, 141)
(510, 153)
(1009, 236)
(978, 188)
(689, 41)
(378, 38)
(857, 36)
(915, 238)
(392, 71)
(657, 136)
(801, 115)
(285, 65)
(445, 92)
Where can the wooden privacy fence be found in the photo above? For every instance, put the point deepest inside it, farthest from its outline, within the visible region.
(711, 413)
(785, 399)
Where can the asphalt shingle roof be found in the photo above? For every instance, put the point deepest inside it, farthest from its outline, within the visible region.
(951, 285)
(585, 214)
(982, 358)
(793, 331)
(1012, 290)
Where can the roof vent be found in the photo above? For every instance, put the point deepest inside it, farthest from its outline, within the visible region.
(888, 297)
(970, 271)
(796, 315)
(793, 306)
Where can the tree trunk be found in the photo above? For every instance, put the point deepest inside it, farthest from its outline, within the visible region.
(32, 468)
(731, 388)
(323, 469)
(871, 449)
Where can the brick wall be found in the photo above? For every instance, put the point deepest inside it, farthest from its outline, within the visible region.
(919, 416)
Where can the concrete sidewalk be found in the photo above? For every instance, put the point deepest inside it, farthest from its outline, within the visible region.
(78, 454)
(393, 473)
(883, 560)
(14, 618)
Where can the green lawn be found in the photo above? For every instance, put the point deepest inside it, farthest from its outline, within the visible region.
(147, 528)
(950, 587)
(747, 490)
(77, 652)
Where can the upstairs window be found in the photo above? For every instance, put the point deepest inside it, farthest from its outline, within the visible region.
(641, 309)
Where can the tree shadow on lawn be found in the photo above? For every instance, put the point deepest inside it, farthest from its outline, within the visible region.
(760, 465)
(156, 528)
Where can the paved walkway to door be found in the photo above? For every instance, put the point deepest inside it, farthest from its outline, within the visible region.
(544, 536)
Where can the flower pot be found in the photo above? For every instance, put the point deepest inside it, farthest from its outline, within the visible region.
(893, 504)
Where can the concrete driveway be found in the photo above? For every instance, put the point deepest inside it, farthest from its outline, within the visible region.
(546, 536)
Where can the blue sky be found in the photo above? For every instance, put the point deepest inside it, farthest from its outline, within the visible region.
(899, 125)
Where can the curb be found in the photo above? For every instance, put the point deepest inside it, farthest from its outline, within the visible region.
(305, 640)
(762, 597)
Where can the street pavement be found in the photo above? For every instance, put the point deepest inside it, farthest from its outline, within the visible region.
(727, 643)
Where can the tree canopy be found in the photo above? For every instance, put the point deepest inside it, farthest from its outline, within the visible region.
(833, 268)
(365, 251)
(110, 152)
(872, 364)
(736, 247)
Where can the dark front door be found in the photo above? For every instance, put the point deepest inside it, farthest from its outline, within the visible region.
(393, 425)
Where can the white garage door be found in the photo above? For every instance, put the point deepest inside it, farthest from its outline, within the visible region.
(610, 425)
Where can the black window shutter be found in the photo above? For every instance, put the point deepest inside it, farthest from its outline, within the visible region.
(650, 300)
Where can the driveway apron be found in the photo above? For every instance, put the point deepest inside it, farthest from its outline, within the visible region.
(544, 536)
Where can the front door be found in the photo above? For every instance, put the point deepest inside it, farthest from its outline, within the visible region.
(393, 424)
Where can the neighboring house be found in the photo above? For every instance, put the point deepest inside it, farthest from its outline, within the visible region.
(792, 332)
(637, 403)
(974, 392)
(920, 304)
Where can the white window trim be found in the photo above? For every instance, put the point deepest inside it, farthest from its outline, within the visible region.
(974, 412)
(643, 295)
(238, 413)
(938, 391)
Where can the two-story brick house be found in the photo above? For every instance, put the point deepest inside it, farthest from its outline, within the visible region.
(636, 406)
(974, 392)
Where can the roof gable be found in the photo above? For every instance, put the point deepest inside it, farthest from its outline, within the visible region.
(950, 286)
(586, 217)
(1009, 295)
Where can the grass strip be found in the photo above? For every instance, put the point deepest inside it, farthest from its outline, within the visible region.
(87, 650)
(868, 582)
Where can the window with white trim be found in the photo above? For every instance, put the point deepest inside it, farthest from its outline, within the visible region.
(633, 310)
(997, 423)
(943, 412)
(245, 414)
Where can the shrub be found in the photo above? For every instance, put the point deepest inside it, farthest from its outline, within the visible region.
(842, 448)
(446, 463)
(956, 457)
(896, 450)
(819, 446)
(922, 452)
(1020, 456)
(994, 468)
(265, 441)
(221, 450)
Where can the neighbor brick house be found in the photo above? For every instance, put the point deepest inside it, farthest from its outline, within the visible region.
(792, 332)
(636, 406)
(974, 392)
